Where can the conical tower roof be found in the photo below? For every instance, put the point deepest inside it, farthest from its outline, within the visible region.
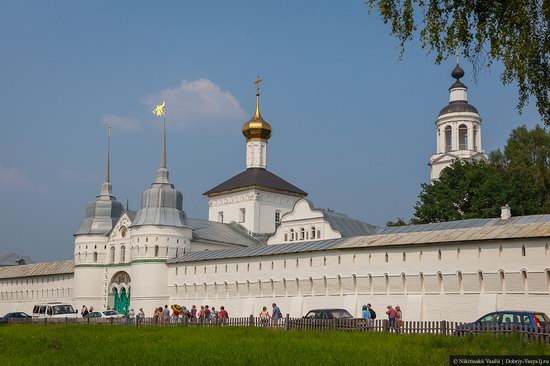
(103, 212)
(161, 203)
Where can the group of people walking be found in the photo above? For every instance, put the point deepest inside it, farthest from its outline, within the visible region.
(395, 316)
(178, 313)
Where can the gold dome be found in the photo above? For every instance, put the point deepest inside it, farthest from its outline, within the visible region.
(257, 128)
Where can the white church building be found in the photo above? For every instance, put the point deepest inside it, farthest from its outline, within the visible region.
(265, 242)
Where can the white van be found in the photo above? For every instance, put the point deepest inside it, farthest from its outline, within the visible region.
(53, 310)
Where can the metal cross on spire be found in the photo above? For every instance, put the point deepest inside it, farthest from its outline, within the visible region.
(258, 82)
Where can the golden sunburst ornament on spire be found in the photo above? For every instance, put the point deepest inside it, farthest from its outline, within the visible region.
(257, 128)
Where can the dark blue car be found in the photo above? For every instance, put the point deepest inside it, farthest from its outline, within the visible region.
(18, 315)
(507, 319)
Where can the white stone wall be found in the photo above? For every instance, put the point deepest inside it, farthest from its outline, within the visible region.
(259, 205)
(20, 294)
(432, 282)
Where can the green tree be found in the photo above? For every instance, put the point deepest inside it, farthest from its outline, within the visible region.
(516, 33)
(519, 177)
(399, 222)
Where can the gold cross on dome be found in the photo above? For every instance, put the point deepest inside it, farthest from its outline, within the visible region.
(257, 82)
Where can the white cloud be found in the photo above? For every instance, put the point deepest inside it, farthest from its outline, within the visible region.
(197, 102)
(123, 123)
(14, 178)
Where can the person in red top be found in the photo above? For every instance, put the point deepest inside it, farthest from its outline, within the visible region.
(223, 315)
(392, 314)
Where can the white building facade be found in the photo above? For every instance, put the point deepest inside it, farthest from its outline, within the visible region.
(265, 242)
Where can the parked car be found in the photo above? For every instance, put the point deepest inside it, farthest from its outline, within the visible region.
(328, 314)
(521, 320)
(107, 314)
(53, 310)
(18, 316)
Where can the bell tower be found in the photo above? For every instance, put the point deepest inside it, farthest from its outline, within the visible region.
(458, 129)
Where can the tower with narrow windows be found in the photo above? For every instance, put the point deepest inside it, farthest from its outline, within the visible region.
(256, 198)
(458, 129)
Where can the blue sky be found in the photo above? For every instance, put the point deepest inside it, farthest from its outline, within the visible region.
(353, 125)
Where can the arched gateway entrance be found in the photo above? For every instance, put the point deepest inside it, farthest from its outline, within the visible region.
(119, 293)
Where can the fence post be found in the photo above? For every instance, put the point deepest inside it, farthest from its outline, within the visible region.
(443, 327)
(334, 323)
(287, 323)
(385, 325)
(251, 320)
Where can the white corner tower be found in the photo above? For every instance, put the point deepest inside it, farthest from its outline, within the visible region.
(158, 233)
(458, 129)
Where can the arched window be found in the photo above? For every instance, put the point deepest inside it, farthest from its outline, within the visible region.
(156, 250)
(525, 283)
(457, 253)
(448, 138)
(248, 267)
(500, 251)
(404, 257)
(475, 138)
(439, 254)
(291, 234)
(313, 232)
(481, 282)
(440, 282)
(277, 218)
(95, 257)
(310, 262)
(460, 284)
(387, 282)
(123, 254)
(386, 257)
(420, 255)
(404, 282)
(302, 233)
(523, 250)
(462, 137)
(297, 262)
(479, 252)
(324, 261)
(339, 260)
(112, 257)
(502, 282)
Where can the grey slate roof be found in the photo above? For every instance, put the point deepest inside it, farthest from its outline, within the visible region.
(458, 106)
(101, 215)
(204, 230)
(348, 226)
(11, 259)
(255, 177)
(437, 233)
(161, 204)
(38, 269)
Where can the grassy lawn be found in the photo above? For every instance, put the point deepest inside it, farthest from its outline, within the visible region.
(120, 345)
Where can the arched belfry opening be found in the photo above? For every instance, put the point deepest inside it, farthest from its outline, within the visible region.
(120, 292)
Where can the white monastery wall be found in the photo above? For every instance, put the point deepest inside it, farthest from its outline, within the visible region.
(20, 294)
(448, 281)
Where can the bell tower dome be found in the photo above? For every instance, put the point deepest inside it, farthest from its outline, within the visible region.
(257, 132)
